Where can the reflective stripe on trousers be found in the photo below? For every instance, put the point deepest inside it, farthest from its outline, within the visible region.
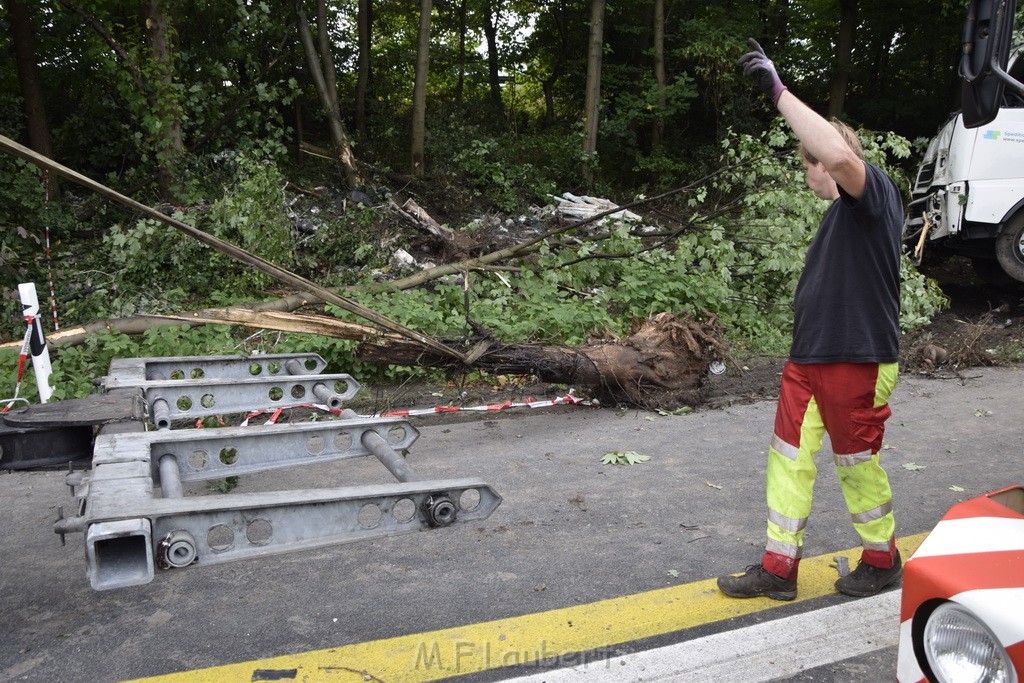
(849, 401)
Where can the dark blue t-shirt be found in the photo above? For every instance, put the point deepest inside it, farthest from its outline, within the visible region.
(847, 303)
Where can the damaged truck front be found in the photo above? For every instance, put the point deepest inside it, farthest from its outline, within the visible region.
(968, 197)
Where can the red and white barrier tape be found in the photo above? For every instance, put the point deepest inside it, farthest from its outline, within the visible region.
(568, 399)
(276, 413)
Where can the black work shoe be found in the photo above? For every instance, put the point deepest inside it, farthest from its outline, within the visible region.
(757, 581)
(865, 580)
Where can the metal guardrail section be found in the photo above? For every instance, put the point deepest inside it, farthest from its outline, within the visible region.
(198, 367)
(136, 519)
(187, 388)
(204, 454)
(217, 529)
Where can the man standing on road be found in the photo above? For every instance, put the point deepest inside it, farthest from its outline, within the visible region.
(843, 361)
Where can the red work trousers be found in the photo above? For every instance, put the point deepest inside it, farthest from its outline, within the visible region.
(849, 401)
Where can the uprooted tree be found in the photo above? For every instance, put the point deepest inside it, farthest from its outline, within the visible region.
(662, 364)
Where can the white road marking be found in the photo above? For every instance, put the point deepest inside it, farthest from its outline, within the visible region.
(762, 652)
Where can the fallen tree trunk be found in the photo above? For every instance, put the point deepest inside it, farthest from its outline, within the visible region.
(662, 365)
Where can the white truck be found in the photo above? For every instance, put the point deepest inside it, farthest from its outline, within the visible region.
(968, 197)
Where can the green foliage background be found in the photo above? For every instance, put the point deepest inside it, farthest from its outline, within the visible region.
(736, 250)
(732, 245)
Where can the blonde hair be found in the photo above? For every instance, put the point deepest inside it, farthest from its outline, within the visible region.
(848, 135)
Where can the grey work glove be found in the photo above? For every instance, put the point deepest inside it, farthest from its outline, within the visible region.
(757, 66)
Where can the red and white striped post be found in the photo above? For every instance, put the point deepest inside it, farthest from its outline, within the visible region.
(37, 342)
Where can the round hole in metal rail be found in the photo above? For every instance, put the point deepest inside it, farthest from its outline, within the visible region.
(469, 500)
(229, 455)
(184, 403)
(275, 393)
(177, 374)
(255, 369)
(396, 435)
(198, 373)
(343, 442)
(207, 401)
(198, 460)
(298, 391)
(220, 538)
(340, 387)
(369, 515)
(315, 444)
(273, 367)
(259, 531)
(404, 510)
(310, 364)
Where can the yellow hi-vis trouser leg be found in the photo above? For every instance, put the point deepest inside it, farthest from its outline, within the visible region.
(849, 401)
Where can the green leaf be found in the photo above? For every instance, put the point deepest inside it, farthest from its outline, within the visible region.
(624, 458)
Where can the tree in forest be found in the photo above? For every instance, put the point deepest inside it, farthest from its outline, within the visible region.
(165, 98)
(493, 68)
(321, 68)
(460, 84)
(658, 130)
(419, 93)
(125, 95)
(546, 53)
(33, 105)
(593, 89)
(364, 19)
(153, 73)
(844, 50)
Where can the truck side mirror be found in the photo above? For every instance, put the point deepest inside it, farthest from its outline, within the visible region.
(986, 50)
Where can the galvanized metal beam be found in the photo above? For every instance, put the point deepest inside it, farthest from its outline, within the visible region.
(136, 518)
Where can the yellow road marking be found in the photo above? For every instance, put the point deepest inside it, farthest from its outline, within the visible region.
(560, 634)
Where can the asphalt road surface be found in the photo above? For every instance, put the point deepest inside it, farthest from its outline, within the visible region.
(584, 566)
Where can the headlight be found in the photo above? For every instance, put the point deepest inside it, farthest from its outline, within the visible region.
(960, 648)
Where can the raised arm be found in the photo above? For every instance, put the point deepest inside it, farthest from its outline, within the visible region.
(823, 142)
(819, 137)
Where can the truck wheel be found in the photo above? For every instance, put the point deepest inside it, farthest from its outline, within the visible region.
(1010, 248)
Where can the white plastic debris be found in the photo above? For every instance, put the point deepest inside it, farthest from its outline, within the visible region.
(573, 206)
(402, 258)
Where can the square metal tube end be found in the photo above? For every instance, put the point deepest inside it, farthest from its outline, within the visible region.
(119, 553)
